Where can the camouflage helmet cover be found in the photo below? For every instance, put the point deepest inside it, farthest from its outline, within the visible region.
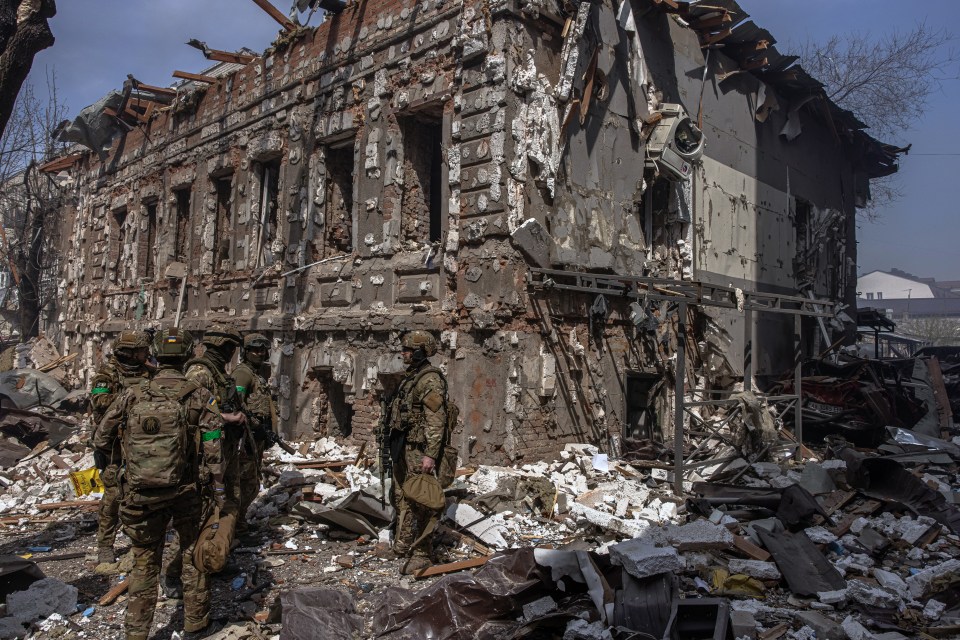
(420, 340)
(172, 343)
(219, 335)
(255, 340)
(132, 340)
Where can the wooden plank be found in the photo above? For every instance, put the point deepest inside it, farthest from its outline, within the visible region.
(478, 546)
(275, 13)
(837, 500)
(749, 549)
(806, 453)
(452, 567)
(229, 56)
(775, 632)
(60, 556)
(72, 504)
(194, 76)
(115, 592)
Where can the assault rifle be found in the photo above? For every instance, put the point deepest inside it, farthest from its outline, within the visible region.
(383, 444)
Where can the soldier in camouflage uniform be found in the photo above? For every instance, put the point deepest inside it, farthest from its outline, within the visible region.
(417, 422)
(125, 367)
(152, 494)
(258, 405)
(209, 371)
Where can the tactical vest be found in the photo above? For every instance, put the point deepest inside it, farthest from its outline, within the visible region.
(156, 440)
(107, 385)
(226, 389)
(257, 399)
(406, 412)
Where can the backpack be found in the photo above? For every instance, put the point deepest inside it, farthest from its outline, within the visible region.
(156, 440)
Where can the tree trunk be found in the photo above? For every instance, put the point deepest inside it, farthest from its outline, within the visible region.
(21, 40)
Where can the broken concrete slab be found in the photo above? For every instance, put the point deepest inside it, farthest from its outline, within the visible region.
(920, 584)
(699, 534)
(743, 625)
(754, 569)
(539, 607)
(642, 559)
(534, 243)
(825, 628)
(488, 528)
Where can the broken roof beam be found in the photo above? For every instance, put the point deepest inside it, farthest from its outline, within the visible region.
(219, 55)
(139, 86)
(59, 164)
(710, 38)
(185, 75)
(275, 13)
(712, 21)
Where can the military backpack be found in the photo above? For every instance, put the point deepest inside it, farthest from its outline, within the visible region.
(156, 442)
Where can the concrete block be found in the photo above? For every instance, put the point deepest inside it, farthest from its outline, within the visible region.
(488, 529)
(43, 598)
(539, 608)
(533, 241)
(825, 628)
(933, 609)
(418, 288)
(336, 294)
(855, 630)
(754, 569)
(920, 583)
(879, 597)
(892, 582)
(700, 534)
(837, 598)
(743, 625)
(642, 559)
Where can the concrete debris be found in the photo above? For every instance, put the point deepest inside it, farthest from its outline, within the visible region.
(641, 559)
(754, 569)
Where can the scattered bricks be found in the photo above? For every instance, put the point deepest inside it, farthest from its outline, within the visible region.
(539, 608)
(754, 569)
(891, 582)
(879, 597)
(922, 582)
(855, 630)
(934, 609)
(700, 534)
(836, 598)
(743, 625)
(344, 561)
(825, 628)
(641, 559)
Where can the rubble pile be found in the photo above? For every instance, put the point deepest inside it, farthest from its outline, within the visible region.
(777, 541)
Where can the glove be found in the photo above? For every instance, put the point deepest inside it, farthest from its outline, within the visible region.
(219, 496)
(100, 459)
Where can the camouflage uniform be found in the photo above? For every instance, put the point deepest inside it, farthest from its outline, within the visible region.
(108, 382)
(258, 405)
(418, 412)
(146, 514)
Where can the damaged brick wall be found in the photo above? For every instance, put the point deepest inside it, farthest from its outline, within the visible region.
(371, 176)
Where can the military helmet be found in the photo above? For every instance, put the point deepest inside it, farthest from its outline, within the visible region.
(132, 340)
(219, 335)
(255, 340)
(172, 343)
(420, 340)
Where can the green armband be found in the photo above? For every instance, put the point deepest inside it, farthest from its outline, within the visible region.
(241, 389)
(211, 435)
(97, 390)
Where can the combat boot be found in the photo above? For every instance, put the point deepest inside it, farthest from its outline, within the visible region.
(209, 630)
(415, 565)
(172, 587)
(105, 555)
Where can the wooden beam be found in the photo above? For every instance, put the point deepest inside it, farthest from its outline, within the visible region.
(746, 547)
(713, 22)
(115, 592)
(72, 504)
(152, 89)
(451, 567)
(275, 13)
(194, 76)
(59, 164)
(228, 56)
(714, 38)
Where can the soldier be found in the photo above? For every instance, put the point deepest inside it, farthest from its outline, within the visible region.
(258, 405)
(209, 371)
(417, 423)
(125, 367)
(170, 432)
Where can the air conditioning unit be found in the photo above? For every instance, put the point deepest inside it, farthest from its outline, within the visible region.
(675, 144)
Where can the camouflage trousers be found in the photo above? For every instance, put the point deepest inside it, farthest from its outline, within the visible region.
(415, 523)
(146, 524)
(109, 513)
(248, 484)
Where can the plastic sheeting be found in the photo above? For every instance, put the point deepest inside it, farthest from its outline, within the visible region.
(478, 606)
(28, 387)
(319, 613)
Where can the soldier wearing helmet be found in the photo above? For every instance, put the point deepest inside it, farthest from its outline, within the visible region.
(169, 429)
(417, 423)
(209, 371)
(254, 393)
(126, 366)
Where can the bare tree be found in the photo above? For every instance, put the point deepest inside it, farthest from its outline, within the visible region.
(885, 81)
(29, 201)
(938, 331)
(24, 32)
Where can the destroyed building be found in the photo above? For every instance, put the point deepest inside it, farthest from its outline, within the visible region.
(418, 165)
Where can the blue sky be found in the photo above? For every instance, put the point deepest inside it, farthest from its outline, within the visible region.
(100, 41)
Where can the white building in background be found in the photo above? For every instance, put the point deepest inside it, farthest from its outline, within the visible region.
(894, 285)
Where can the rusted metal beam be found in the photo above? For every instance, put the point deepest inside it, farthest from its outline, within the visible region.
(194, 76)
(275, 13)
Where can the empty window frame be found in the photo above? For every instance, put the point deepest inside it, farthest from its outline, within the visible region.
(223, 231)
(181, 234)
(147, 240)
(641, 409)
(422, 201)
(266, 227)
(338, 214)
(119, 231)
